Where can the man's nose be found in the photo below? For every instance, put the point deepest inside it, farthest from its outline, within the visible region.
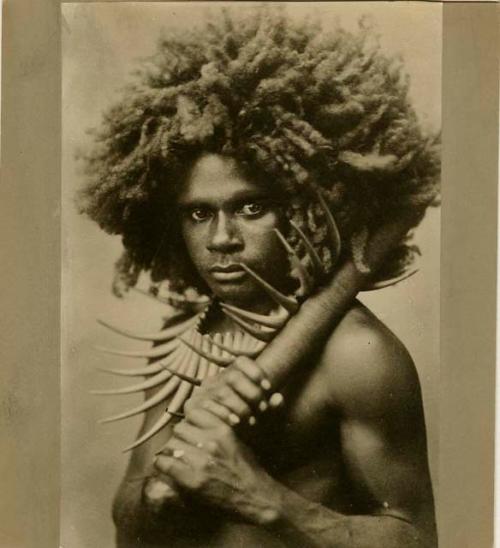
(224, 236)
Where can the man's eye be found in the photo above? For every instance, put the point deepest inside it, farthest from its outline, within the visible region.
(199, 214)
(251, 209)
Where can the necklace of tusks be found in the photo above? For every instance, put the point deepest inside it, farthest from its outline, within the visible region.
(186, 357)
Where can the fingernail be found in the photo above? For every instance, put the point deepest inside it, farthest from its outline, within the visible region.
(263, 406)
(178, 453)
(252, 421)
(266, 385)
(276, 400)
(234, 419)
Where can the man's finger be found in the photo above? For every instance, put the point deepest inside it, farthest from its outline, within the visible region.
(208, 414)
(253, 371)
(175, 468)
(189, 433)
(249, 390)
(229, 398)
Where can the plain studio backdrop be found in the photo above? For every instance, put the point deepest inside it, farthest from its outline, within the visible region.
(102, 42)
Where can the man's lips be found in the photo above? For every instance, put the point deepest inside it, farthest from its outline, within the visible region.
(226, 273)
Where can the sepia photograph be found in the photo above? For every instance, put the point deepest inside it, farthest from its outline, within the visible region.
(250, 296)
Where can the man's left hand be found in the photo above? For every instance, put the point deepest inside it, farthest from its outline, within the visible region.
(205, 459)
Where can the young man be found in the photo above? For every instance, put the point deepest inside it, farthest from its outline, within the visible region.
(198, 168)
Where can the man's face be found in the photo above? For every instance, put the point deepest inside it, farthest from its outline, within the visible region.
(228, 219)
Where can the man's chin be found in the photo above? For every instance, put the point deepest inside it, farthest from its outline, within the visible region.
(238, 294)
(237, 298)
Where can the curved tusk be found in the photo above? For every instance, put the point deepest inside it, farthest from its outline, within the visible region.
(273, 321)
(239, 351)
(181, 395)
(252, 344)
(177, 415)
(305, 280)
(203, 366)
(185, 388)
(286, 302)
(256, 332)
(312, 253)
(136, 372)
(150, 383)
(256, 345)
(164, 393)
(392, 281)
(164, 419)
(160, 396)
(164, 374)
(228, 341)
(163, 335)
(193, 362)
(151, 369)
(213, 369)
(332, 228)
(192, 380)
(219, 360)
(155, 352)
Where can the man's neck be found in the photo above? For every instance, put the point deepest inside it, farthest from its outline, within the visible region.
(218, 322)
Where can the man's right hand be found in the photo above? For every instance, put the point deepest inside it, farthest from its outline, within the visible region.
(238, 393)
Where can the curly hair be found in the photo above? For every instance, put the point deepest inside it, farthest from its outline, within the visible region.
(301, 108)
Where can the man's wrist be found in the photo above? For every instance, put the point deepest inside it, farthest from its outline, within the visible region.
(266, 507)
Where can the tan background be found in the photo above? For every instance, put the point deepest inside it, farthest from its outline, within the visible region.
(30, 266)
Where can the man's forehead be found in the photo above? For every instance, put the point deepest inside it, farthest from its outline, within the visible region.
(213, 165)
(218, 177)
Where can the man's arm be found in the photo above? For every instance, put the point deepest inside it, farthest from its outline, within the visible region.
(143, 503)
(145, 508)
(375, 389)
(136, 515)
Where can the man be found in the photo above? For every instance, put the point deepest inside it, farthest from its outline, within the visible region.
(200, 166)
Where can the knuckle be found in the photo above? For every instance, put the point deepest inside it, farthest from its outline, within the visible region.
(189, 405)
(162, 465)
(224, 431)
(249, 367)
(211, 381)
(195, 406)
(206, 464)
(234, 376)
(179, 428)
(223, 394)
(156, 491)
(212, 447)
(244, 364)
(254, 393)
(196, 483)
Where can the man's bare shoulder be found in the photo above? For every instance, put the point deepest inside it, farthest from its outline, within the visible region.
(369, 370)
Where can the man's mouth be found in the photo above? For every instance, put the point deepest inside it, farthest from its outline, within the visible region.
(227, 273)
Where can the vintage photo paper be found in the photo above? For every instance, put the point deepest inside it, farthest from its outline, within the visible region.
(341, 144)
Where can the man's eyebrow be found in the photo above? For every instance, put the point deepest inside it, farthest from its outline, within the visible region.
(190, 204)
(237, 198)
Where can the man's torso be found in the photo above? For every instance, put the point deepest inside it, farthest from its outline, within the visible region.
(298, 444)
